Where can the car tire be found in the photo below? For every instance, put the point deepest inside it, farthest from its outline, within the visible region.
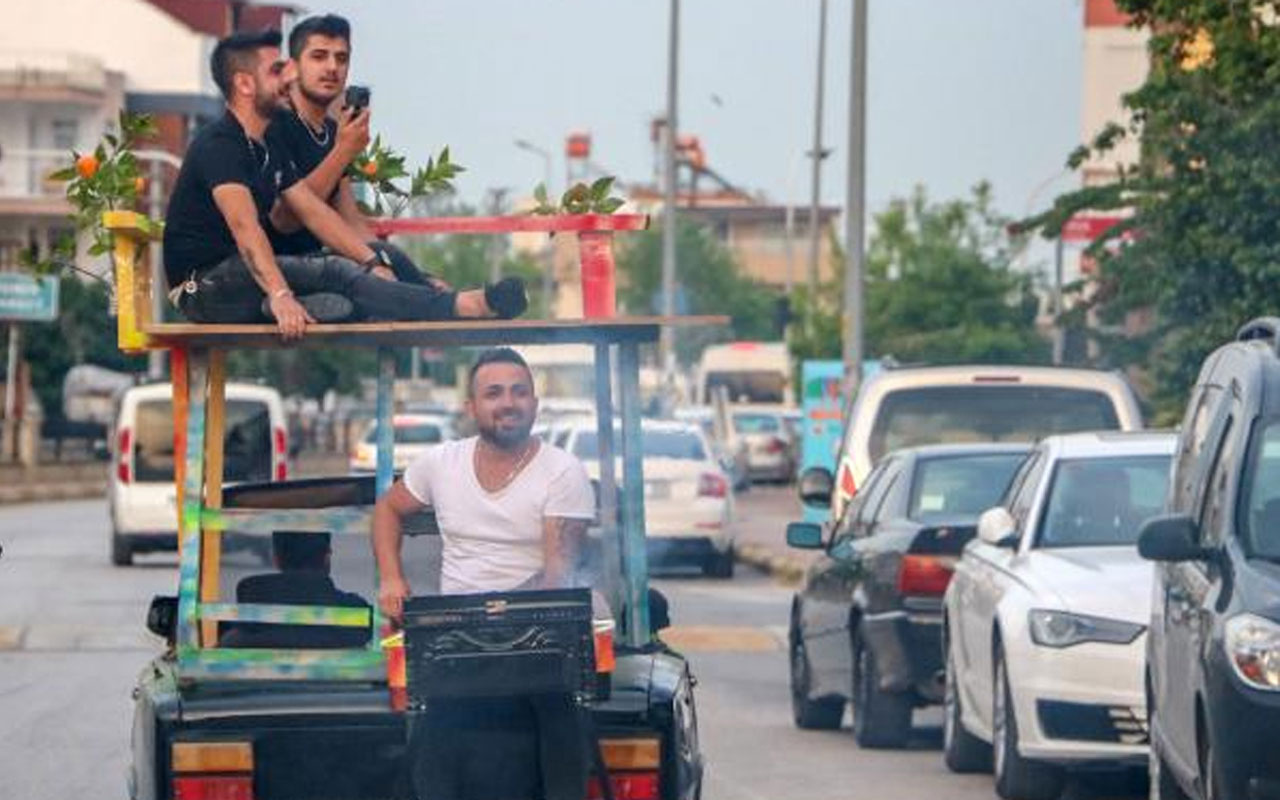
(1017, 778)
(719, 565)
(880, 719)
(962, 751)
(121, 550)
(822, 714)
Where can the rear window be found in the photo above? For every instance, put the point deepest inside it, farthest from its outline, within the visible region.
(1260, 502)
(1102, 501)
(657, 444)
(960, 486)
(951, 414)
(755, 423)
(246, 443)
(756, 386)
(417, 433)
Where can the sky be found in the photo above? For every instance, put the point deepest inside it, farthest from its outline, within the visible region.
(959, 91)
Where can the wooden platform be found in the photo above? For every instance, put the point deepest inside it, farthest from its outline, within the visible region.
(427, 334)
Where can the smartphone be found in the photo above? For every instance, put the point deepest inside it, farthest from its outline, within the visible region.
(357, 97)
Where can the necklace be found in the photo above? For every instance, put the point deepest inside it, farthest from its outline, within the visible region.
(529, 449)
(321, 139)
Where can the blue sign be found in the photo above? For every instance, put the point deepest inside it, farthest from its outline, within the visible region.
(822, 406)
(27, 298)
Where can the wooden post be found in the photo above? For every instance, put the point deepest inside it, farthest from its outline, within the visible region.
(192, 501)
(634, 551)
(131, 234)
(610, 547)
(211, 540)
(181, 414)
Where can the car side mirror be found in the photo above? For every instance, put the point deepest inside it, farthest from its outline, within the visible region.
(162, 617)
(659, 612)
(804, 535)
(815, 487)
(1170, 538)
(997, 528)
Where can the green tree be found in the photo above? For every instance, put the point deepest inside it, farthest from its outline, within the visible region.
(939, 290)
(1200, 249)
(709, 282)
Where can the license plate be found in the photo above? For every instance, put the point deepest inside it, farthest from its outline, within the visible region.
(657, 490)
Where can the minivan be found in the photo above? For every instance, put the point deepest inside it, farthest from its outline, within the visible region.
(916, 406)
(140, 487)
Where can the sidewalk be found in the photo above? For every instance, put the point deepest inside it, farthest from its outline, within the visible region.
(761, 517)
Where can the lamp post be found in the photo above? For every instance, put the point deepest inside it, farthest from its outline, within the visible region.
(666, 344)
(855, 204)
(548, 251)
(815, 233)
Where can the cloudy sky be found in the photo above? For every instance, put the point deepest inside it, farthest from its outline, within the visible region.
(960, 90)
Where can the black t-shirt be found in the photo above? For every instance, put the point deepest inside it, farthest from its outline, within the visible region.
(196, 236)
(306, 149)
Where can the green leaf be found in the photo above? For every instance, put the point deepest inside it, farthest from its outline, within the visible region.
(611, 205)
(600, 189)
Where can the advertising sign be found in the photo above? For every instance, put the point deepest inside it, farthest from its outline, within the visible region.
(27, 298)
(822, 407)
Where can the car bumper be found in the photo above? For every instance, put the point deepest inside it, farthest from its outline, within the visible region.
(1242, 723)
(1080, 704)
(150, 541)
(907, 648)
(693, 549)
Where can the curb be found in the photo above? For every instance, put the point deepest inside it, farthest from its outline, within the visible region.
(787, 569)
(45, 492)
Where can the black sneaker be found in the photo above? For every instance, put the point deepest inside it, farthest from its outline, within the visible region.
(322, 306)
(507, 298)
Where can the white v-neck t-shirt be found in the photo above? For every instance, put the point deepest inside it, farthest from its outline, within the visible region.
(493, 540)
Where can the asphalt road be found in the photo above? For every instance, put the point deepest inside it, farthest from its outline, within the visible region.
(72, 640)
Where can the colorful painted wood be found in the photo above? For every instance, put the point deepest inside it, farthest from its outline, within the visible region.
(291, 615)
(348, 520)
(131, 234)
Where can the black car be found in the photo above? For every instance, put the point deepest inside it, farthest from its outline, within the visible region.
(866, 625)
(1213, 652)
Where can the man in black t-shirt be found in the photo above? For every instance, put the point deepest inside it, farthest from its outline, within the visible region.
(218, 259)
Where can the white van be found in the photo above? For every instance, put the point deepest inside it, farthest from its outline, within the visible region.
(938, 405)
(751, 372)
(140, 489)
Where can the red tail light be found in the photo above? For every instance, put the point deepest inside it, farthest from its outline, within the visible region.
(847, 484)
(124, 455)
(712, 485)
(775, 446)
(281, 443)
(924, 575)
(627, 786)
(213, 787)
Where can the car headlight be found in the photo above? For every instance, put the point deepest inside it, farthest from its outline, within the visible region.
(1063, 629)
(1253, 648)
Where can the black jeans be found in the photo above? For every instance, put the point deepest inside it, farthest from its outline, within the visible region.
(227, 292)
(516, 748)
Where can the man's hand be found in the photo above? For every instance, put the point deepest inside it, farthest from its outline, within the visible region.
(353, 133)
(391, 596)
(383, 272)
(291, 317)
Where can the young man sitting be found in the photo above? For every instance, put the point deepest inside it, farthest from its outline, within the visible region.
(218, 259)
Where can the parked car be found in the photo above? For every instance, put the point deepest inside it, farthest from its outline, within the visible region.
(729, 449)
(1045, 615)
(898, 408)
(140, 490)
(865, 624)
(1213, 653)
(688, 501)
(413, 433)
(768, 437)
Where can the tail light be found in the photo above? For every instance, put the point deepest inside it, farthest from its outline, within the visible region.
(281, 444)
(627, 786)
(124, 455)
(847, 484)
(925, 575)
(712, 485)
(605, 658)
(775, 446)
(633, 769)
(213, 787)
(212, 771)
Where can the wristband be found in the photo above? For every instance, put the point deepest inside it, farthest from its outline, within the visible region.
(278, 293)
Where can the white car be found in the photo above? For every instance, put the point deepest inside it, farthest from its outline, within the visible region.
(1045, 616)
(688, 500)
(413, 433)
(770, 455)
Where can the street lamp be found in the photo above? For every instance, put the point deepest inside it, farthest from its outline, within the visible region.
(549, 253)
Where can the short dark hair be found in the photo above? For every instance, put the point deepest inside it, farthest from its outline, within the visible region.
(236, 53)
(330, 25)
(496, 355)
(300, 550)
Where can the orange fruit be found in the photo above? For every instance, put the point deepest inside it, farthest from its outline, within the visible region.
(87, 166)
(139, 185)
(370, 169)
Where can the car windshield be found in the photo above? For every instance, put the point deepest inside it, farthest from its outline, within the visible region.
(413, 433)
(1260, 501)
(246, 443)
(1102, 501)
(685, 445)
(985, 413)
(755, 423)
(960, 486)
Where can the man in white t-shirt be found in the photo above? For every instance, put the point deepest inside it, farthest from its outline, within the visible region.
(512, 515)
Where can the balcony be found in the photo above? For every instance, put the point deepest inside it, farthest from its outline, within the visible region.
(25, 187)
(52, 77)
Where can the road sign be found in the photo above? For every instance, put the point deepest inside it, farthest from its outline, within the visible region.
(1088, 227)
(27, 298)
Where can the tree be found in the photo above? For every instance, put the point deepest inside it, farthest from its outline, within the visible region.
(709, 282)
(939, 290)
(1200, 249)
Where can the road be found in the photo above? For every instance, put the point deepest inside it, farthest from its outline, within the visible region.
(72, 640)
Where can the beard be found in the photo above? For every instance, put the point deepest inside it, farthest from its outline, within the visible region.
(267, 103)
(506, 437)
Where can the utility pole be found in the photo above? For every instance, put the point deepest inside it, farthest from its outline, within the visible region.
(855, 202)
(666, 343)
(815, 230)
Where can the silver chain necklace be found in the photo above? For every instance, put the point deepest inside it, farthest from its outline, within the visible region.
(529, 448)
(321, 140)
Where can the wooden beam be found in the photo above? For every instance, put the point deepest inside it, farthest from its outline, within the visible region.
(211, 539)
(515, 223)
(192, 499)
(222, 663)
(345, 617)
(181, 407)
